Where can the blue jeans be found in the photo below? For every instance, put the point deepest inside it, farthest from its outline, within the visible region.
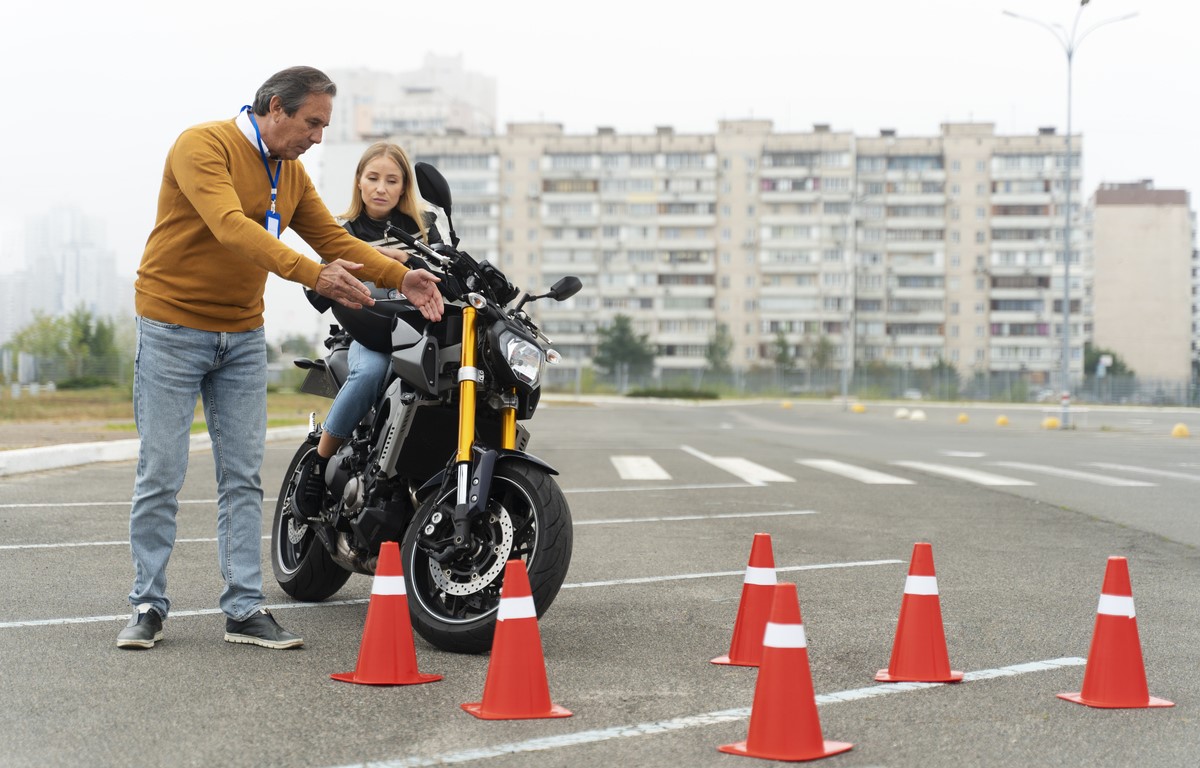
(173, 366)
(368, 370)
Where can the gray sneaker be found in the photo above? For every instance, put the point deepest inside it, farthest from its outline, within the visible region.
(260, 628)
(143, 630)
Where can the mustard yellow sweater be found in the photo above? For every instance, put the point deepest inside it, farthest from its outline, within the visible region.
(206, 261)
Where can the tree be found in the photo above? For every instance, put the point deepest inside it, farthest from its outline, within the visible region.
(1091, 360)
(944, 380)
(716, 355)
(78, 348)
(621, 352)
(92, 347)
(822, 355)
(44, 337)
(296, 346)
(783, 353)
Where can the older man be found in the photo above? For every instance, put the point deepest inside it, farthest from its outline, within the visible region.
(229, 189)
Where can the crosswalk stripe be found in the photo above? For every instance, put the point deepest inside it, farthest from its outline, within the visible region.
(1074, 474)
(754, 474)
(861, 474)
(639, 468)
(962, 473)
(1147, 471)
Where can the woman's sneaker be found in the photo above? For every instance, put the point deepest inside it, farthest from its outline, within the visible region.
(143, 630)
(260, 628)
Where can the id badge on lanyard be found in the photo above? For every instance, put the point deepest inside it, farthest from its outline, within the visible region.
(272, 222)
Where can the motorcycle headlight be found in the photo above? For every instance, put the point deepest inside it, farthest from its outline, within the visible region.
(524, 358)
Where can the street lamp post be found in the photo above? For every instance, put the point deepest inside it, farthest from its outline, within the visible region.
(850, 364)
(1070, 43)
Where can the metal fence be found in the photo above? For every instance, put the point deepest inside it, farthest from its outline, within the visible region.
(891, 384)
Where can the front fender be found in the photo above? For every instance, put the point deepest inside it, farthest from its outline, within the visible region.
(503, 456)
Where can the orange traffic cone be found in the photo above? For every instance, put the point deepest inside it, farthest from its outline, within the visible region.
(516, 687)
(387, 655)
(745, 650)
(784, 724)
(1115, 676)
(919, 652)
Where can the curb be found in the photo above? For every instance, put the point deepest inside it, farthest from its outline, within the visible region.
(47, 457)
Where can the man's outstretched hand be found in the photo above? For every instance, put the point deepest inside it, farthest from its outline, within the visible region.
(420, 287)
(338, 284)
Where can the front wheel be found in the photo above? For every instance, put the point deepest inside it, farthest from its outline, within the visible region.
(302, 565)
(453, 604)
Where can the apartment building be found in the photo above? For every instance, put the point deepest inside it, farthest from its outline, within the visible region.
(1144, 300)
(440, 97)
(902, 250)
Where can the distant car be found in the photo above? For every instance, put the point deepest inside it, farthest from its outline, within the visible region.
(912, 394)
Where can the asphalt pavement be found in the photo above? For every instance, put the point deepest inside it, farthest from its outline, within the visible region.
(666, 500)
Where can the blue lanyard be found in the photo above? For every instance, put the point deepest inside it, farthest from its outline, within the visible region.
(262, 151)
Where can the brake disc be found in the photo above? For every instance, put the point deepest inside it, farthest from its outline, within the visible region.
(444, 577)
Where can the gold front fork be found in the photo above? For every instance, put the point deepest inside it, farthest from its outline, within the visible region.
(467, 395)
(467, 384)
(466, 388)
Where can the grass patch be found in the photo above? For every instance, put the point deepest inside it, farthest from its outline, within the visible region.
(675, 393)
(113, 406)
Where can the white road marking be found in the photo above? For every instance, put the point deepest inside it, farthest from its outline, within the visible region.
(964, 454)
(1147, 471)
(645, 488)
(613, 521)
(74, 544)
(594, 736)
(716, 516)
(332, 603)
(638, 468)
(1074, 474)
(718, 574)
(862, 475)
(754, 474)
(122, 503)
(962, 473)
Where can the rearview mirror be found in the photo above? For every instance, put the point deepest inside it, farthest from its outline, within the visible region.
(433, 186)
(564, 288)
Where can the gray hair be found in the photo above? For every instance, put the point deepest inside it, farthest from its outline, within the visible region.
(292, 86)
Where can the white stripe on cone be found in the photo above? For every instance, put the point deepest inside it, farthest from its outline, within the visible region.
(516, 608)
(760, 576)
(920, 585)
(388, 585)
(784, 636)
(1115, 605)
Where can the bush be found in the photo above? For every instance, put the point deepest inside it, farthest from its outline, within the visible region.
(85, 382)
(675, 394)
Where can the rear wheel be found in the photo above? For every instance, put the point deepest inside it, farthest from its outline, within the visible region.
(453, 604)
(300, 561)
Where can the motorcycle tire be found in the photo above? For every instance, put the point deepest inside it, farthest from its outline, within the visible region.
(454, 605)
(302, 565)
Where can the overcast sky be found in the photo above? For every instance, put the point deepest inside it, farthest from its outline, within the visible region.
(97, 92)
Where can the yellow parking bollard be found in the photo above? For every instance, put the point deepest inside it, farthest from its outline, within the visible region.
(1180, 430)
(858, 408)
(786, 404)
(1001, 421)
(963, 418)
(1050, 423)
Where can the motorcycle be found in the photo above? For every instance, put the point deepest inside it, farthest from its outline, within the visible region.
(440, 461)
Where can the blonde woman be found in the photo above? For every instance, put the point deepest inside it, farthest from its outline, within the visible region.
(385, 193)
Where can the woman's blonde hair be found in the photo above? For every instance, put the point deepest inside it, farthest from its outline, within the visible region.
(410, 202)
